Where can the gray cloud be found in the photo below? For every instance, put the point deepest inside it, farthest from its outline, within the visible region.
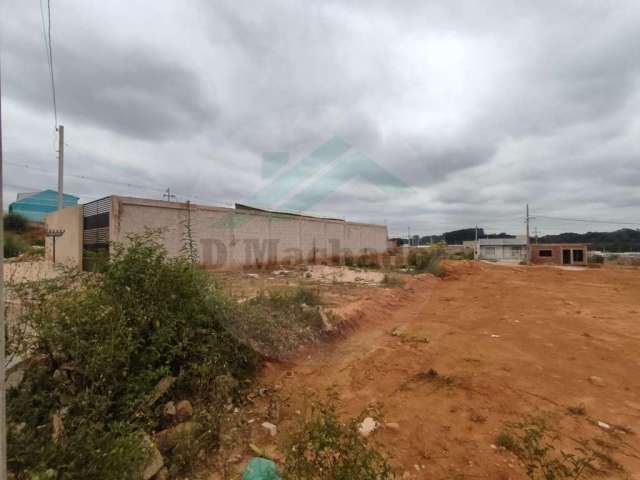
(480, 108)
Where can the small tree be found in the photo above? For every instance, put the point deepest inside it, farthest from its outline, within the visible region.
(14, 222)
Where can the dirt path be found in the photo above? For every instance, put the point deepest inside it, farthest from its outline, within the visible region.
(506, 342)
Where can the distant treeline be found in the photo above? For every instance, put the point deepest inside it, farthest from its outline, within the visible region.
(624, 240)
(455, 237)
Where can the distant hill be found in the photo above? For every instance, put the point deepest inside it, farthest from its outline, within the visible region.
(623, 240)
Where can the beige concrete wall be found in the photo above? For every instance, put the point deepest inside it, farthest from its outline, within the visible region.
(230, 238)
(69, 245)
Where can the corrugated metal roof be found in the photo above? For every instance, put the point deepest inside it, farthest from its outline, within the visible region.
(37, 205)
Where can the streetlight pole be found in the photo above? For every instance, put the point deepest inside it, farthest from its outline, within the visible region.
(3, 391)
(60, 167)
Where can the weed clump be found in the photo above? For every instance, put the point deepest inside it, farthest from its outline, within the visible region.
(14, 245)
(101, 345)
(276, 322)
(427, 261)
(324, 448)
(577, 410)
(531, 441)
(391, 280)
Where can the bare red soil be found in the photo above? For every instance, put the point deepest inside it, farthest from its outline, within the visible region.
(510, 341)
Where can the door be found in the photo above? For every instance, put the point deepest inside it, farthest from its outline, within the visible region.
(566, 257)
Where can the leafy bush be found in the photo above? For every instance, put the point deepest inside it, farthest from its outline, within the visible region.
(427, 260)
(104, 342)
(275, 322)
(324, 448)
(14, 222)
(14, 246)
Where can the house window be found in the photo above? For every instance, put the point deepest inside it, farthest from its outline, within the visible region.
(545, 253)
(578, 255)
(490, 251)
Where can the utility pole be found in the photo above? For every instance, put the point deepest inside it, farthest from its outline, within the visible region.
(475, 247)
(168, 195)
(528, 241)
(60, 167)
(409, 236)
(3, 391)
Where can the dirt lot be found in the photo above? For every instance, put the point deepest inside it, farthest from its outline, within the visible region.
(506, 342)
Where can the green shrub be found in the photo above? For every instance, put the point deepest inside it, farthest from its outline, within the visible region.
(427, 260)
(278, 321)
(324, 448)
(14, 245)
(14, 222)
(105, 341)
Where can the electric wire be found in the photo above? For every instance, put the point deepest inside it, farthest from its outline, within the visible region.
(46, 37)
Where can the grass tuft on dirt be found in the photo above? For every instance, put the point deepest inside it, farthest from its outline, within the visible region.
(535, 444)
(276, 322)
(324, 448)
(427, 261)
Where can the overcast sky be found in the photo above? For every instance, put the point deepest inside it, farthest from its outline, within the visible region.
(477, 107)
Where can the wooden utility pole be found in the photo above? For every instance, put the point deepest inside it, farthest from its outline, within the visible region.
(528, 241)
(60, 167)
(3, 391)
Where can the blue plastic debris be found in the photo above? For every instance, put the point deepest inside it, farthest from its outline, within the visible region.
(261, 469)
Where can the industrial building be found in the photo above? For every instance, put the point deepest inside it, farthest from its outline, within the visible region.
(224, 237)
(35, 206)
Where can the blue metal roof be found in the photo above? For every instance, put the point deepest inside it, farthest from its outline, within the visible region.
(37, 205)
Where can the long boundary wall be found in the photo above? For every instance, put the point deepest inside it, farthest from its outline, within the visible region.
(227, 237)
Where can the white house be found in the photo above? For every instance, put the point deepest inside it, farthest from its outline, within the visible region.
(502, 249)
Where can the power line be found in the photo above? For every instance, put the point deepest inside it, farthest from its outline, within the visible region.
(148, 188)
(46, 36)
(609, 222)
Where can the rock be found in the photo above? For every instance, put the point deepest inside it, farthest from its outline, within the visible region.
(598, 381)
(169, 410)
(604, 426)
(271, 428)
(184, 410)
(154, 461)
(163, 474)
(57, 428)
(392, 426)
(326, 323)
(368, 426)
(168, 439)
(160, 389)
